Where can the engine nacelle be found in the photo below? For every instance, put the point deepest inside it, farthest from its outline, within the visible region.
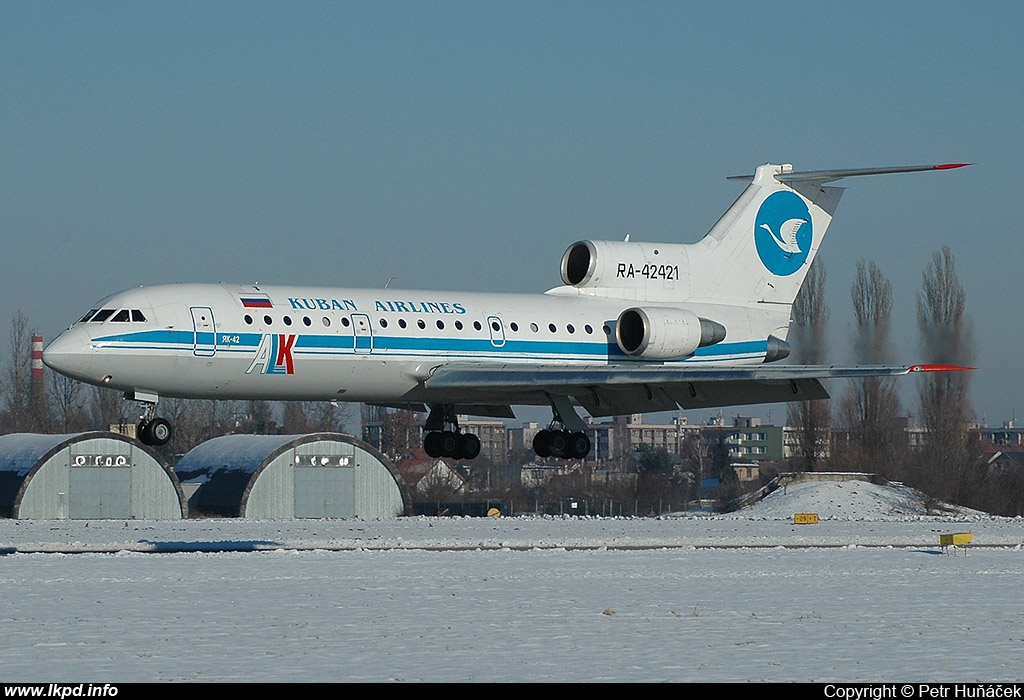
(664, 333)
(624, 265)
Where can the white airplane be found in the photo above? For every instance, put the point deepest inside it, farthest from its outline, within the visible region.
(637, 327)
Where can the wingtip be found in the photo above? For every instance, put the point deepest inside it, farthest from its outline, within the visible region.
(950, 166)
(940, 368)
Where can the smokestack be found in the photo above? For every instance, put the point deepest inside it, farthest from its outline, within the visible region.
(36, 395)
(37, 358)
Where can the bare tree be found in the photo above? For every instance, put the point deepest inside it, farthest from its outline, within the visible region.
(313, 417)
(17, 390)
(808, 340)
(399, 433)
(869, 411)
(948, 457)
(68, 399)
(259, 419)
(196, 421)
(107, 407)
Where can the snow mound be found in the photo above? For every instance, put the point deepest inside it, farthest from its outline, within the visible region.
(843, 500)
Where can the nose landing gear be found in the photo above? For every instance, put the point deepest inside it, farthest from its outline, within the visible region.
(151, 430)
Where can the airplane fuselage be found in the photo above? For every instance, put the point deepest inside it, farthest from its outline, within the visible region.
(223, 341)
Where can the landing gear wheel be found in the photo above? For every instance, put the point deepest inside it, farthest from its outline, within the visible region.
(541, 443)
(449, 444)
(432, 444)
(155, 432)
(558, 443)
(469, 446)
(579, 445)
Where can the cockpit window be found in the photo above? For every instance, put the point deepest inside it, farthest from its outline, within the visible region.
(102, 315)
(114, 316)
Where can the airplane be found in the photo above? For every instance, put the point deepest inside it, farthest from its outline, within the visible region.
(636, 327)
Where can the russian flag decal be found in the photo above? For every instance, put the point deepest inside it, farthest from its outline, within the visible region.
(256, 301)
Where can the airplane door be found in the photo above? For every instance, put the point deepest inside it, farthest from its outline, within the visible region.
(497, 330)
(362, 333)
(205, 343)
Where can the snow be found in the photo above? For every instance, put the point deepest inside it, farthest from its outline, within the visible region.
(864, 595)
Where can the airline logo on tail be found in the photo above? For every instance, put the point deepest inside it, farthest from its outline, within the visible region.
(783, 232)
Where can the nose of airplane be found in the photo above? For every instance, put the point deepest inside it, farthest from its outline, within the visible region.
(70, 354)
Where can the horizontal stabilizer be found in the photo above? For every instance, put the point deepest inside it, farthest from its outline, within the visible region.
(822, 176)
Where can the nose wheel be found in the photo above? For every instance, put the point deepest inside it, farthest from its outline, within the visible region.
(155, 432)
(151, 430)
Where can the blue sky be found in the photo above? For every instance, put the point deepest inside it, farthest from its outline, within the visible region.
(458, 145)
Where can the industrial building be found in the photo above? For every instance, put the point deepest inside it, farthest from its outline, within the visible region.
(321, 475)
(85, 476)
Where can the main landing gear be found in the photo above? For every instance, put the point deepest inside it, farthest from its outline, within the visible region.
(445, 438)
(151, 430)
(563, 439)
(561, 443)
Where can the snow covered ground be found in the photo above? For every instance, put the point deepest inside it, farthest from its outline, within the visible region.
(866, 594)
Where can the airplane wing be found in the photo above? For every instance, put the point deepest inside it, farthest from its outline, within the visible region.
(617, 389)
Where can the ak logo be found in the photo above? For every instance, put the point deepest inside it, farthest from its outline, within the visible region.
(274, 355)
(783, 232)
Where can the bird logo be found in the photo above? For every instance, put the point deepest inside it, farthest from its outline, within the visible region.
(786, 237)
(783, 233)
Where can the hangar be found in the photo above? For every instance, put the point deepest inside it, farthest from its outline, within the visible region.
(320, 475)
(85, 476)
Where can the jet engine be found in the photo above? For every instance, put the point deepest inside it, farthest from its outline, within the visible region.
(665, 333)
(624, 265)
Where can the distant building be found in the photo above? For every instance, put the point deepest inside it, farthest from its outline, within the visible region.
(430, 478)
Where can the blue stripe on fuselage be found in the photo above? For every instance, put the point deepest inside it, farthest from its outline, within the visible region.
(311, 344)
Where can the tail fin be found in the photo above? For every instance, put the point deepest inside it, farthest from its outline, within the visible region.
(760, 250)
